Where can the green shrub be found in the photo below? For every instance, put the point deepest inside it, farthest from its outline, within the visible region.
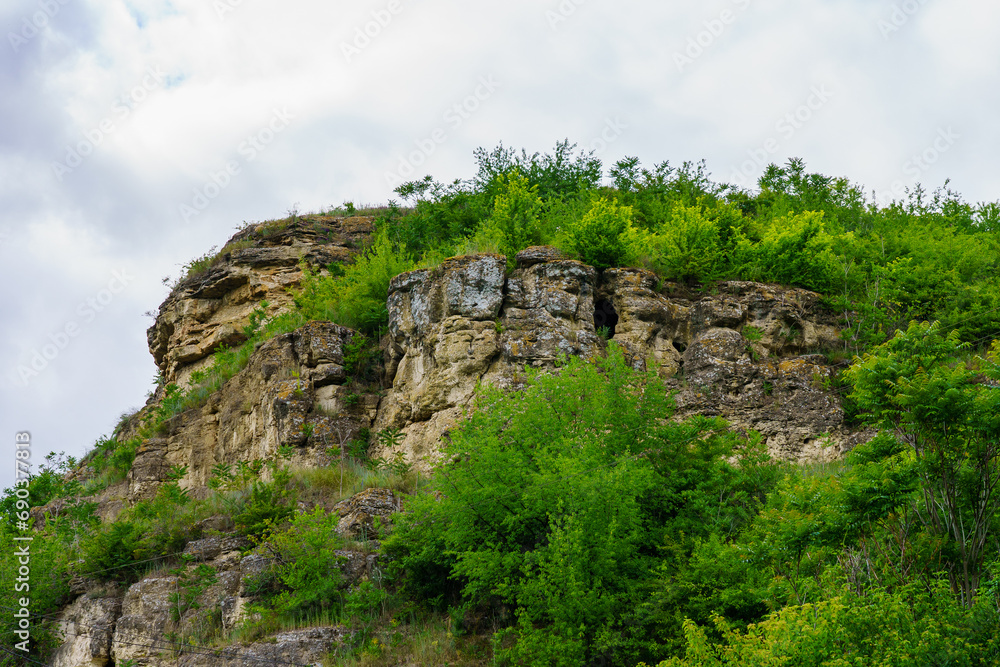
(915, 625)
(114, 457)
(306, 566)
(554, 175)
(516, 215)
(604, 237)
(557, 501)
(793, 250)
(356, 299)
(269, 505)
(688, 247)
(147, 531)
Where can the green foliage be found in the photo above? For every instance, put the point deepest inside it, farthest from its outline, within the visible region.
(306, 565)
(557, 501)
(48, 483)
(907, 628)
(688, 246)
(149, 530)
(515, 218)
(192, 583)
(552, 175)
(604, 237)
(361, 357)
(356, 299)
(269, 505)
(47, 587)
(917, 387)
(792, 250)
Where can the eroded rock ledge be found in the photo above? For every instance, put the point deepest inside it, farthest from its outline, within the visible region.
(751, 353)
(208, 310)
(748, 352)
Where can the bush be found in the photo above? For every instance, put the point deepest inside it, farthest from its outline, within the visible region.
(916, 625)
(114, 457)
(357, 299)
(793, 250)
(147, 531)
(555, 175)
(688, 247)
(558, 501)
(270, 504)
(515, 216)
(604, 237)
(306, 565)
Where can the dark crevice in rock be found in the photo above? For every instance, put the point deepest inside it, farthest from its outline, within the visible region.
(605, 315)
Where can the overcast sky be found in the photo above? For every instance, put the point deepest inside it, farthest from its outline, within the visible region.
(136, 135)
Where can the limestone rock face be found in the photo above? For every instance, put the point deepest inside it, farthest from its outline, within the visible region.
(159, 607)
(745, 352)
(296, 647)
(442, 339)
(87, 628)
(548, 311)
(742, 353)
(274, 402)
(358, 513)
(466, 322)
(209, 309)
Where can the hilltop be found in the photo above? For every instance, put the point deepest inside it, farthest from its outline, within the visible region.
(534, 419)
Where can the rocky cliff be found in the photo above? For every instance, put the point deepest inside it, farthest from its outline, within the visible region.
(749, 352)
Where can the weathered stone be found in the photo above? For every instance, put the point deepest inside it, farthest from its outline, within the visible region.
(87, 628)
(642, 321)
(714, 356)
(549, 311)
(211, 548)
(270, 404)
(358, 513)
(537, 254)
(210, 310)
(310, 646)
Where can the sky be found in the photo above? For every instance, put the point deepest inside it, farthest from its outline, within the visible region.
(136, 135)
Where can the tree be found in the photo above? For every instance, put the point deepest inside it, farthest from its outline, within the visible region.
(947, 411)
(555, 503)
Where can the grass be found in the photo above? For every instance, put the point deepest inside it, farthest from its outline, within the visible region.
(338, 481)
(428, 641)
(201, 265)
(225, 364)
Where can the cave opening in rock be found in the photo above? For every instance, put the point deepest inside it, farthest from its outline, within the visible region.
(605, 316)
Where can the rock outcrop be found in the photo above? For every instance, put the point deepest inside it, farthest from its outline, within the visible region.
(209, 308)
(291, 394)
(748, 352)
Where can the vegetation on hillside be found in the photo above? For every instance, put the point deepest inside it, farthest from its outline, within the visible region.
(573, 523)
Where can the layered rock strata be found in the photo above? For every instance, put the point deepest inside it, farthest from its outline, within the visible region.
(210, 308)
